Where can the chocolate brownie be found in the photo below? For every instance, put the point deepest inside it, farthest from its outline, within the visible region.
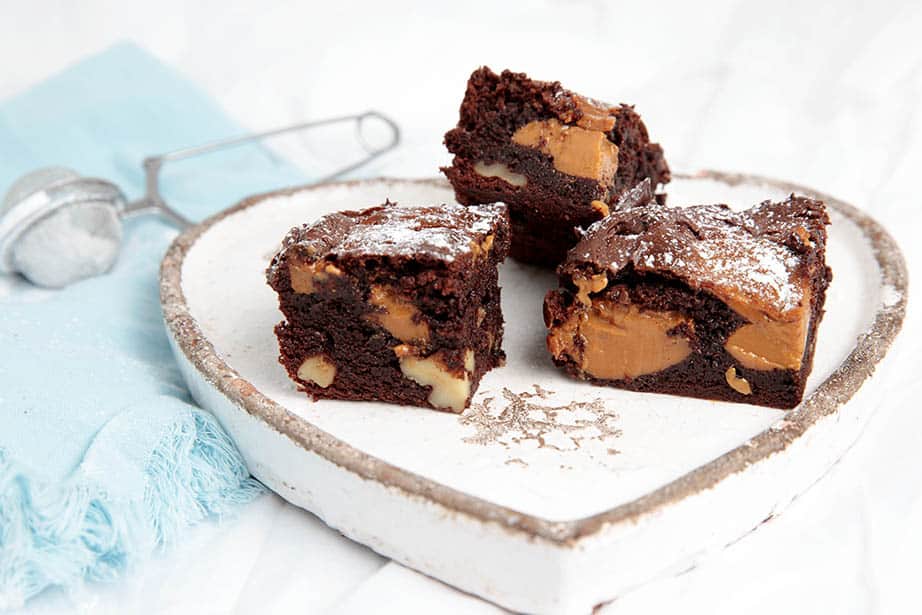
(393, 303)
(698, 301)
(557, 159)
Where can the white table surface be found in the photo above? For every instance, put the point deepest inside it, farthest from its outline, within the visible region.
(829, 96)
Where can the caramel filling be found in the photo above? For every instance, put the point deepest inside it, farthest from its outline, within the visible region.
(501, 171)
(317, 369)
(575, 150)
(596, 116)
(306, 276)
(620, 341)
(449, 391)
(586, 286)
(396, 314)
(483, 247)
(770, 343)
(601, 207)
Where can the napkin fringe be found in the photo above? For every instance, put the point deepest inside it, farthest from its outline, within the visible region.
(63, 534)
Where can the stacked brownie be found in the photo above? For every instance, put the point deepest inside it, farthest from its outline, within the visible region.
(402, 304)
(559, 160)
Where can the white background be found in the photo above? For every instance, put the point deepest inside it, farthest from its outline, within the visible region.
(826, 94)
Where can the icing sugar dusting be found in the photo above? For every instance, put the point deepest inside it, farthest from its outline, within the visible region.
(747, 254)
(443, 232)
(761, 268)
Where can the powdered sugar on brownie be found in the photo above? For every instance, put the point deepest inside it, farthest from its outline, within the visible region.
(443, 232)
(758, 255)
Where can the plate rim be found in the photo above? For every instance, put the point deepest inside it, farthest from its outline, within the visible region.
(870, 348)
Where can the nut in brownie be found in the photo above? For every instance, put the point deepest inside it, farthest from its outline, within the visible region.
(393, 303)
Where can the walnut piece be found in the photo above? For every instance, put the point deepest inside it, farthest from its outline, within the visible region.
(317, 369)
(737, 383)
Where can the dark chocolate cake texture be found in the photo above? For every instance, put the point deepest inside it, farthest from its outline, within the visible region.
(392, 303)
(557, 159)
(698, 301)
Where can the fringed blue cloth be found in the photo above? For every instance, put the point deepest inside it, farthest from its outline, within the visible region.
(149, 473)
(103, 456)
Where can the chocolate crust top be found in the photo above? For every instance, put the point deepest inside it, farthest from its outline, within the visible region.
(504, 102)
(765, 255)
(496, 105)
(442, 233)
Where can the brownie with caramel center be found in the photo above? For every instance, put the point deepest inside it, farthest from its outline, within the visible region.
(559, 160)
(699, 301)
(393, 303)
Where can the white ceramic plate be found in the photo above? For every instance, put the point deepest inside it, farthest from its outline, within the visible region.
(548, 494)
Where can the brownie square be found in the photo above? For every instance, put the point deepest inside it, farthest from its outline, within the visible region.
(392, 303)
(698, 301)
(557, 159)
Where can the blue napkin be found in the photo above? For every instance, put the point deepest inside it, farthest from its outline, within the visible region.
(102, 456)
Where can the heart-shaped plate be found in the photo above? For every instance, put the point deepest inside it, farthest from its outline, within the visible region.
(548, 494)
